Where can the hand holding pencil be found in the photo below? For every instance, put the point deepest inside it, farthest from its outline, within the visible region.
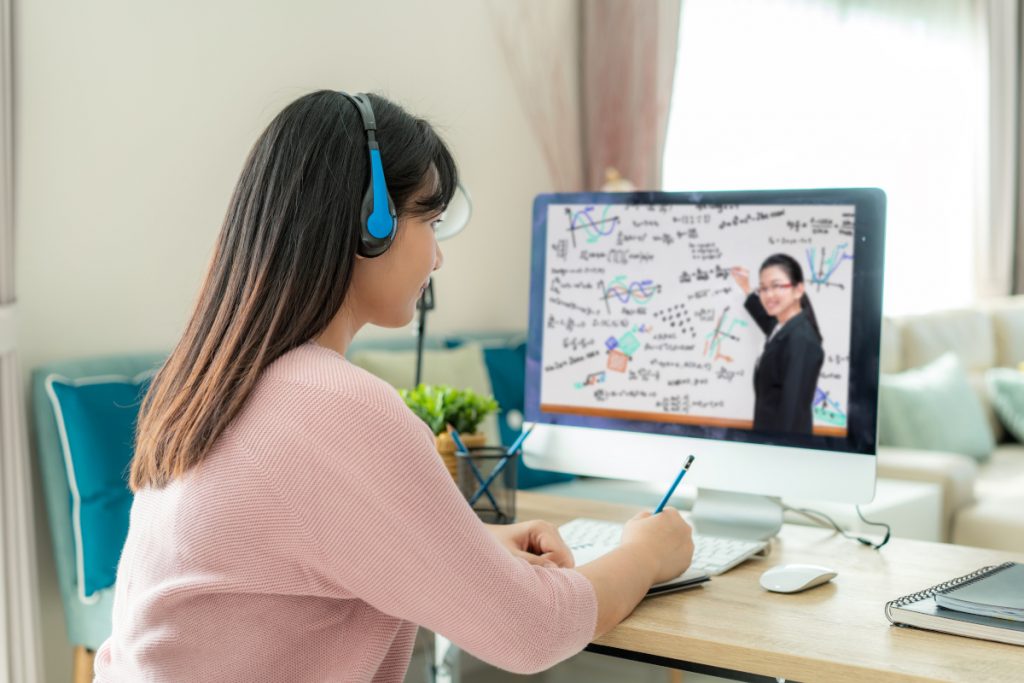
(663, 538)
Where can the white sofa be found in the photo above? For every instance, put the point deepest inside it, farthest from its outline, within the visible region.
(983, 503)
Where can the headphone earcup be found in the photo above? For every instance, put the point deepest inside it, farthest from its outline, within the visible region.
(369, 245)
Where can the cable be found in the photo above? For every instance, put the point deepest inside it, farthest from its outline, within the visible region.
(816, 516)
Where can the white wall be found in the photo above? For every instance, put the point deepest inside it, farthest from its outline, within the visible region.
(132, 123)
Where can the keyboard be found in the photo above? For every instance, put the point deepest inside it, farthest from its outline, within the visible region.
(590, 538)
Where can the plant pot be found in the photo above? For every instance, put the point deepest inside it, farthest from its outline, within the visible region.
(446, 447)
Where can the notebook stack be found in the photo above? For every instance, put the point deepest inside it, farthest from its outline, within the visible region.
(986, 604)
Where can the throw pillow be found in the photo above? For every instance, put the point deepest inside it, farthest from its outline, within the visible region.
(932, 407)
(507, 367)
(96, 419)
(1006, 389)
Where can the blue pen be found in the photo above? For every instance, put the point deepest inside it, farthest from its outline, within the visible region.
(479, 477)
(457, 439)
(519, 441)
(672, 489)
(501, 465)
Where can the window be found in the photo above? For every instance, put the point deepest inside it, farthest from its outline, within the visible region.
(796, 94)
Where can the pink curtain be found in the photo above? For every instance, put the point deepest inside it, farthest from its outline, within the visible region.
(594, 78)
(627, 66)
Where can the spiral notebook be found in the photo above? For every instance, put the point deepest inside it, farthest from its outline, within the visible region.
(999, 584)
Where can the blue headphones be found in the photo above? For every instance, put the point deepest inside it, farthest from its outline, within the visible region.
(378, 219)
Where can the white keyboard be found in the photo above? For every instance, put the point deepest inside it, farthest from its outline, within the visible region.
(590, 538)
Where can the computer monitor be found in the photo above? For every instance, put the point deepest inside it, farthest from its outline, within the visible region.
(644, 348)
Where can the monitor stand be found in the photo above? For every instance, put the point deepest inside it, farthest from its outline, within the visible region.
(736, 515)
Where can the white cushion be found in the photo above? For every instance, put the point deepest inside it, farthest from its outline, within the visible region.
(1003, 475)
(953, 472)
(1008, 327)
(892, 348)
(995, 523)
(997, 519)
(967, 333)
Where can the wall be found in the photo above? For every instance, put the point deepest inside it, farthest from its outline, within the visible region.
(132, 123)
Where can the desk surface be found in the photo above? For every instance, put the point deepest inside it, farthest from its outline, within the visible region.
(836, 632)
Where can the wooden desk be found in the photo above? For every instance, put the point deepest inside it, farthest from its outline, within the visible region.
(834, 633)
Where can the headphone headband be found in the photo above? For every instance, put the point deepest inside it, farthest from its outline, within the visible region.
(379, 218)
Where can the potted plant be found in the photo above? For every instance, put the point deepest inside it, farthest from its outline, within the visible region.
(441, 405)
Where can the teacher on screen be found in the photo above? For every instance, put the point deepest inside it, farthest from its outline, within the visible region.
(786, 373)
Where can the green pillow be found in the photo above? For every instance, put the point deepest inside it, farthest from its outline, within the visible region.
(1006, 389)
(933, 408)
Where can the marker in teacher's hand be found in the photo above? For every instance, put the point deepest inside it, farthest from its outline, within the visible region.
(672, 489)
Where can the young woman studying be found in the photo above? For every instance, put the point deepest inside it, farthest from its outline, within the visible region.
(292, 520)
(786, 374)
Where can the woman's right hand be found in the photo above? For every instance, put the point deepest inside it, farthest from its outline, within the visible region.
(665, 537)
(742, 277)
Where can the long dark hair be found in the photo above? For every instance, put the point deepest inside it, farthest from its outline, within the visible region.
(282, 264)
(796, 275)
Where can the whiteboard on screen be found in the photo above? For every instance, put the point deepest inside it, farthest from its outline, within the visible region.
(643, 318)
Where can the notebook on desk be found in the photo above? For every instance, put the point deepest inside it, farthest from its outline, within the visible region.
(966, 605)
(688, 579)
(584, 552)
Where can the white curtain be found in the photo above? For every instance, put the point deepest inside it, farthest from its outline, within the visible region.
(20, 653)
(999, 153)
(627, 65)
(773, 94)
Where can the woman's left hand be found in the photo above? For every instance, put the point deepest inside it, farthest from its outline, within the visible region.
(536, 541)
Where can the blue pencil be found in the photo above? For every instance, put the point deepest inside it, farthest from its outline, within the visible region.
(457, 439)
(501, 465)
(519, 441)
(672, 489)
(476, 472)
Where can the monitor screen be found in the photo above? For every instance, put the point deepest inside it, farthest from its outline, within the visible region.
(741, 316)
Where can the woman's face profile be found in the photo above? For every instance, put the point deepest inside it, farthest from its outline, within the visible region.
(779, 296)
(385, 289)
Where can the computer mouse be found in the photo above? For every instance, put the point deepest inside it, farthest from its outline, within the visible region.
(793, 578)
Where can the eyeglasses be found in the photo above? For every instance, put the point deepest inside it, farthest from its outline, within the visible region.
(776, 288)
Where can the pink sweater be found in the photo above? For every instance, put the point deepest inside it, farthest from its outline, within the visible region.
(317, 534)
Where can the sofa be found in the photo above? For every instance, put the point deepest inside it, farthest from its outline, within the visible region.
(982, 498)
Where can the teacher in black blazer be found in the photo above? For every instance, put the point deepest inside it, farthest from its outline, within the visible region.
(786, 374)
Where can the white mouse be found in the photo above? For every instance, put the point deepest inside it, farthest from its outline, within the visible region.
(793, 578)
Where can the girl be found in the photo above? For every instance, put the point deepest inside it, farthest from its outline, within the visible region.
(292, 520)
(786, 374)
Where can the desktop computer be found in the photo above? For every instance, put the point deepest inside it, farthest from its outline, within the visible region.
(741, 327)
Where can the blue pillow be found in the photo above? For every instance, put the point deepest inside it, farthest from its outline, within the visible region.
(507, 369)
(96, 419)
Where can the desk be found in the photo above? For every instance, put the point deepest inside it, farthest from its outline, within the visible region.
(836, 632)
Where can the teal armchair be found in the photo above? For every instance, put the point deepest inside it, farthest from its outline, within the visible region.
(88, 625)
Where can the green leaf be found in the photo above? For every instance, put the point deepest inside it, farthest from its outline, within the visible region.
(441, 404)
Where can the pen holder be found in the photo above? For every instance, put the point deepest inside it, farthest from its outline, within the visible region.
(446, 449)
(487, 479)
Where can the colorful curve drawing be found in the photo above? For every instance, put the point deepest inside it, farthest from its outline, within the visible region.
(637, 291)
(713, 340)
(826, 410)
(822, 272)
(594, 228)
